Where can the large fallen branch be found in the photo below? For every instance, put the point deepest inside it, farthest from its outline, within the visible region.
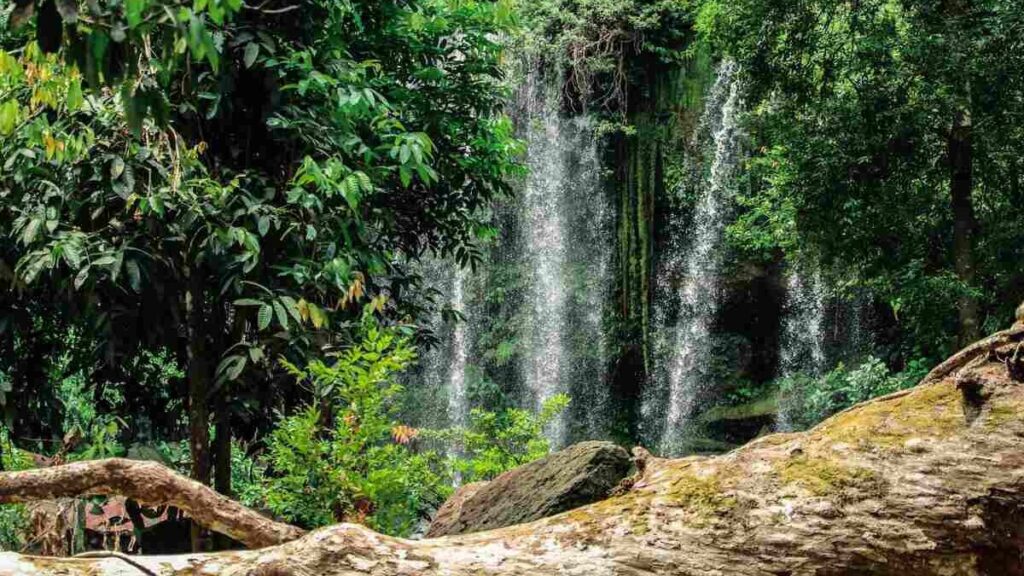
(149, 483)
(930, 482)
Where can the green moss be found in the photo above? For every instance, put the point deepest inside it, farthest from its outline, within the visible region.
(932, 410)
(1000, 414)
(703, 496)
(825, 478)
(762, 407)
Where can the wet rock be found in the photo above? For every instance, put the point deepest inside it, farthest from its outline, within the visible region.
(579, 475)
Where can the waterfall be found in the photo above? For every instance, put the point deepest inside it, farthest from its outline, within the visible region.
(566, 242)
(803, 328)
(439, 382)
(802, 348)
(458, 407)
(690, 338)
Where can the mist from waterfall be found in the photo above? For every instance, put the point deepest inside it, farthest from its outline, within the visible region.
(688, 340)
(567, 245)
(804, 334)
(440, 380)
(803, 337)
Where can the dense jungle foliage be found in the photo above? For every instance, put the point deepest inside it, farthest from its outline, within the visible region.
(214, 217)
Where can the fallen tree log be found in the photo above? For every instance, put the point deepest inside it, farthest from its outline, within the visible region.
(927, 482)
(148, 483)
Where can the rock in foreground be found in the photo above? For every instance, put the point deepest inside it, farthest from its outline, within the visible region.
(579, 475)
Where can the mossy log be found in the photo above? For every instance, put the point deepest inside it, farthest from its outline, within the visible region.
(926, 482)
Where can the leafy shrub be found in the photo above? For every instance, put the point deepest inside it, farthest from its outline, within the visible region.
(806, 400)
(345, 457)
(13, 517)
(494, 442)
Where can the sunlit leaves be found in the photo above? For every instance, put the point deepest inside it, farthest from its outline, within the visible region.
(10, 116)
(133, 10)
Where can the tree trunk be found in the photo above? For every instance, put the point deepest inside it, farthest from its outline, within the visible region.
(198, 388)
(961, 150)
(928, 481)
(222, 409)
(222, 446)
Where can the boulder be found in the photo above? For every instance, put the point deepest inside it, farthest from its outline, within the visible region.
(579, 475)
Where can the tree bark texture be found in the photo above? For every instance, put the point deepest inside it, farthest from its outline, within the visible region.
(925, 482)
(961, 164)
(199, 375)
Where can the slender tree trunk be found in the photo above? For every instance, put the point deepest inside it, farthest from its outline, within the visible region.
(222, 418)
(961, 151)
(222, 446)
(198, 388)
(222, 408)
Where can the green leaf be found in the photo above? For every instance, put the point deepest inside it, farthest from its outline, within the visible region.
(292, 307)
(252, 50)
(74, 98)
(264, 316)
(255, 354)
(134, 275)
(133, 10)
(81, 277)
(116, 168)
(248, 302)
(231, 367)
(31, 230)
(72, 255)
(282, 316)
(10, 116)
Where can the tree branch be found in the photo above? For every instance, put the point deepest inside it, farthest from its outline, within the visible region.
(152, 484)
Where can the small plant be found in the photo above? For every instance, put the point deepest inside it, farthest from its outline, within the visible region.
(13, 517)
(345, 457)
(494, 442)
(807, 400)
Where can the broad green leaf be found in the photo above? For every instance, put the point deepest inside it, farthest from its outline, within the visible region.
(252, 50)
(74, 98)
(282, 316)
(292, 307)
(10, 116)
(31, 230)
(116, 168)
(81, 277)
(134, 275)
(264, 317)
(133, 10)
(248, 302)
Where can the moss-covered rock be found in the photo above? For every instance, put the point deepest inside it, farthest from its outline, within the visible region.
(579, 475)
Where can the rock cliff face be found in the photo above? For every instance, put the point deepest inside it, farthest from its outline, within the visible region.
(579, 475)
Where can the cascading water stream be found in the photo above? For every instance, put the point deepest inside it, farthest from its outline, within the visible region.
(567, 245)
(803, 338)
(701, 262)
(802, 349)
(458, 406)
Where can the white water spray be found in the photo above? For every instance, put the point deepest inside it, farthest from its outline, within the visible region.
(567, 244)
(698, 296)
(458, 406)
